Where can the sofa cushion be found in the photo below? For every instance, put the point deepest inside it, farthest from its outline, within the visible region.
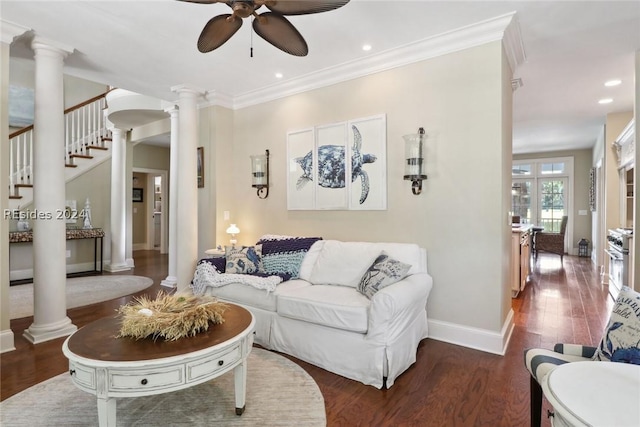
(283, 255)
(342, 263)
(243, 260)
(333, 306)
(621, 340)
(383, 272)
(248, 295)
(310, 259)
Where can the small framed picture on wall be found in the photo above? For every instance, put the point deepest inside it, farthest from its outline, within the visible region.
(137, 195)
(200, 167)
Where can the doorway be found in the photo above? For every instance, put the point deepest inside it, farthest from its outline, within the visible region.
(150, 225)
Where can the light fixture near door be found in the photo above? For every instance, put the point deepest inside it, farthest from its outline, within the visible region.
(260, 174)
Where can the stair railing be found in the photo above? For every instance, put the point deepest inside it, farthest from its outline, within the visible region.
(85, 127)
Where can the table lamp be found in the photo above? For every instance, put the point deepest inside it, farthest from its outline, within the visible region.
(233, 230)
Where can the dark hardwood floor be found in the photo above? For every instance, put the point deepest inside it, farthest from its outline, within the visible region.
(449, 385)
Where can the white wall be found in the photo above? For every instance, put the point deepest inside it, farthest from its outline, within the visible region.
(463, 100)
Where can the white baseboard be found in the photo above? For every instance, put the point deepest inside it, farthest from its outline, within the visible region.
(476, 338)
(140, 247)
(6, 341)
(71, 268)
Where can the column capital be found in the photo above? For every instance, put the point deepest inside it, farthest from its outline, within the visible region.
(185, 88)
(171, 109)
(40, 43)
(9, 31)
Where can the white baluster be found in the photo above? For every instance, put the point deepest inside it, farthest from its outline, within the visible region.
(12, 168)
(30, 143)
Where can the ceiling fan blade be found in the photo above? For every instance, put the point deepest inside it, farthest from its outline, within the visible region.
(217, 31)
(303, 7)
(204, 1)
(278, 31)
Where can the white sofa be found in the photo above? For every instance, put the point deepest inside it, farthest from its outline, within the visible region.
(324, 320)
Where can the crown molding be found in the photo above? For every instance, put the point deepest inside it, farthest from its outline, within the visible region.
(504, 27)
(9, 31)
(217, 98)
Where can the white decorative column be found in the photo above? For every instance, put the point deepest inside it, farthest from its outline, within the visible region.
(172, 280)
(187, 214)
(50, 319)
(118, 202)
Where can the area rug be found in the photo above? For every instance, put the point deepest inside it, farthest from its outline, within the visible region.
(279, 393)
(81, 291)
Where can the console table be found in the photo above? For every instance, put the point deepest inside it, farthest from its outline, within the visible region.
(595, 394)
(110, 367)
(72, 234)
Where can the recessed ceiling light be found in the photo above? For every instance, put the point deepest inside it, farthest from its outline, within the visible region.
(279, 75)
(605, 101)
(366, 47)
(614, 82)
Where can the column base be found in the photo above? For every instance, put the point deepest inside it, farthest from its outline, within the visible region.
(37, 334)
(170, 282)
(130, 262)
(113, 268)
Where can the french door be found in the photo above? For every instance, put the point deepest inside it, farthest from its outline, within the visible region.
(552, 203)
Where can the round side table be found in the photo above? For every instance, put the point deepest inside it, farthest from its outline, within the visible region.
(597, 394)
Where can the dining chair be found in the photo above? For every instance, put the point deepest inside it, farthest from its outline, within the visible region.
(552, 242)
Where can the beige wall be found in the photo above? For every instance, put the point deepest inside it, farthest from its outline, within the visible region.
(463, 100)
(582, 162)
(139, 214)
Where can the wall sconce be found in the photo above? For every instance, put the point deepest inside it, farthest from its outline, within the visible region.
(414, 155)
(233, 230)
(260, 174)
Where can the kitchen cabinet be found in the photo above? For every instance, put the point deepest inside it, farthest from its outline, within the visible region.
(520, 257)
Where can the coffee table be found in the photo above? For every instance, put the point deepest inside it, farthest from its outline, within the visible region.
(110, 367)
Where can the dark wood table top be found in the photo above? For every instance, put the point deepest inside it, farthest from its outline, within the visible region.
(97, 340)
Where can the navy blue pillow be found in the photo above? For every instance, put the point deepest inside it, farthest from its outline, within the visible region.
(220, 263)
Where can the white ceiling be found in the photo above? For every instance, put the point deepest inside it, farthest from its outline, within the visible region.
(149, 46)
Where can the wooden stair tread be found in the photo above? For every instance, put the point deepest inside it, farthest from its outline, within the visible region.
(107, 139)
(96, 147)
(70, 165)
(80, 156)
(15, 197)
(23, 185)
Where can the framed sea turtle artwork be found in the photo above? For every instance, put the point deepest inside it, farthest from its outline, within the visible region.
(338, 166)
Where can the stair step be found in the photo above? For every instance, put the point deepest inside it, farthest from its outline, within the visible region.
(15, 197)
(80, 156)
(107, 139)
(68, 165)
(23, 186)
(96, 147)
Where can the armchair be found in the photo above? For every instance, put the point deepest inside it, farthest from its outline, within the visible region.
(621, 343)
(552, 242)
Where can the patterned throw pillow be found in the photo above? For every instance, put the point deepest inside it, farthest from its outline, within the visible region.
(383, 272)
(621, 340)
(283, 255)
(243, 260)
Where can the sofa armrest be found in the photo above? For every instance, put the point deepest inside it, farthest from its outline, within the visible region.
(395, 307)
(575, 350)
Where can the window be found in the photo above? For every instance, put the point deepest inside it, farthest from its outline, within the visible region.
(541, 191)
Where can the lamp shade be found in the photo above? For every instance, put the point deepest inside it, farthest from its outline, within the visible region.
(233, 229)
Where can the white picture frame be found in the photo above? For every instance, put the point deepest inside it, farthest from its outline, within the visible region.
(318, 178)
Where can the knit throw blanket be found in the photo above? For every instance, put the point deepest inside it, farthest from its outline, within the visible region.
(207, 276)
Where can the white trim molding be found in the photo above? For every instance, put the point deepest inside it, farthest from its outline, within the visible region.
(504, 27)
(9, 31)
(476, 338)
(6, 341)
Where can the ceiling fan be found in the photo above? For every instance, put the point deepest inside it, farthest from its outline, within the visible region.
(271, 26)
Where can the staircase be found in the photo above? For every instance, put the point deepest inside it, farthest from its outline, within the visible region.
(85, 147)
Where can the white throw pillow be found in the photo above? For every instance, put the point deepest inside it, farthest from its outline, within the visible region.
(342, 263)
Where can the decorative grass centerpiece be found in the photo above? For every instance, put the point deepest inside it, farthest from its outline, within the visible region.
(169, 316)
